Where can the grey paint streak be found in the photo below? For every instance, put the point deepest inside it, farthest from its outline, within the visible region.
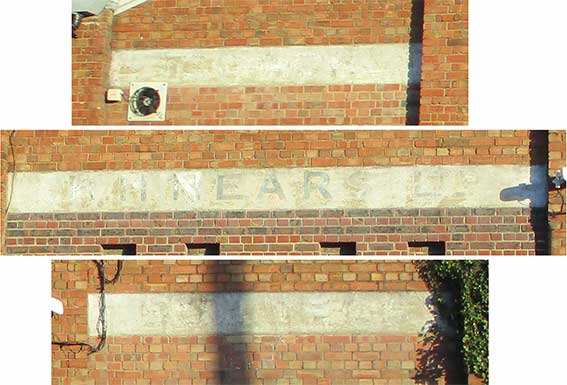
(264, 66)
(280, 189)
(262, 313)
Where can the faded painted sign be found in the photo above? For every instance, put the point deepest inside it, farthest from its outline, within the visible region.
(262, 313)
(280, 189)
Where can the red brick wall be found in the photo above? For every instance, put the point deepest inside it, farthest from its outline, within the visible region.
(505, 231)
(444, 78)
(199, 24)
(184, 24)
(167, 276)
(381, 104)
(309, 359)
(557, 161)
(465, 231)
(158, 149)
(91, 64)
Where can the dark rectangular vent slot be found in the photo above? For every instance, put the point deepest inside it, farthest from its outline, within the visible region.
(427, 248)
(344, 248)
(119, 249)
(203, 248)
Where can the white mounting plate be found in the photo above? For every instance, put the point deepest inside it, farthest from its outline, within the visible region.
(159, 115)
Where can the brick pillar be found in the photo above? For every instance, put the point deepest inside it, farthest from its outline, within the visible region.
(444, 76)
(556, 208)
(4, 168)
(91, 66)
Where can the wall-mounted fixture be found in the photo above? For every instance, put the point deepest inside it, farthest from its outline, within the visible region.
(83, 8)
(147, 102)
(559, 179)
(114, 95)
(56, 306)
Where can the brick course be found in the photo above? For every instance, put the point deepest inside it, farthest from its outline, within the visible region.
(200, 24)
(68, 150)
(380, 104)
(505, 231)
(172, 276)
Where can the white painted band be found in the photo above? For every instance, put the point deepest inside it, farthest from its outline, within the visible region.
(280, 189)
(179, 314)
(267, 66)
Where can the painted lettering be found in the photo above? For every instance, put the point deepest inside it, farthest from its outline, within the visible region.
(316, 180)
(271, 185)
(143, 187)
(82, 188)
(122, 184)
(357, 184)
(189, 184)
(226, 185)
(126, 185)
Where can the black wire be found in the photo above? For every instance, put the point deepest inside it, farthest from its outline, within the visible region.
(12, 150)
(101, 321)
(560, 212)
(9, 202)
(74, 343)
(117, 274)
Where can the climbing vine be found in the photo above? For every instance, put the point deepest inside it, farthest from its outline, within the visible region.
(466, 310)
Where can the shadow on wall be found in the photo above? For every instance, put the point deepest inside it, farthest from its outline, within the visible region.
(438, 360)
(233, 366)
(414, 63)
(539, 180)
(539, 156)
(438, 357)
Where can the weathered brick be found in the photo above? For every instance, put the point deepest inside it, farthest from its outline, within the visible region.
(378, 231)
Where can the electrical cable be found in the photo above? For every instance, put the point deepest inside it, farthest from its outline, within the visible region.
(3, 226)
(119, 265)
(11, 141)
(562, 208)
(101, 321)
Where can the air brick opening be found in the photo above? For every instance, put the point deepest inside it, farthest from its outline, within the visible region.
(203, 248)
(119, 249)
(338, 248)
(427, 248)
